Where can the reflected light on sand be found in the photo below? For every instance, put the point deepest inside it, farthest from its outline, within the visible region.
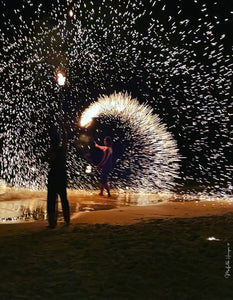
(21, 205)
(212, 238)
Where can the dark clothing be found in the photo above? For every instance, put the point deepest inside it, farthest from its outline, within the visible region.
(57, 181)
(52, 199)
(57, 166)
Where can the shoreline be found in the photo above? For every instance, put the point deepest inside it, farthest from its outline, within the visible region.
(126, 215)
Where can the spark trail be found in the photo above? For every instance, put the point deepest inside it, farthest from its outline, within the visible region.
(151, 156)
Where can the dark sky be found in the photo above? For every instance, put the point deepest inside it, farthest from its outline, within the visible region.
(178, 10)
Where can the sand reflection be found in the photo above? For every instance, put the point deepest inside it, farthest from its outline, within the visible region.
(18, 205)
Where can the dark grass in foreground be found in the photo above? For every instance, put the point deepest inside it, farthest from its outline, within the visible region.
(161, 259)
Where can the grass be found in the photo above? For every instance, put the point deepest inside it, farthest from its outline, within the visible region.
(160, 259)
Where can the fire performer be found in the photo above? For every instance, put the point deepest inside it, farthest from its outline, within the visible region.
(106, 164)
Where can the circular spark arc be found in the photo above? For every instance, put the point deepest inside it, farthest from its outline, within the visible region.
(152, 152)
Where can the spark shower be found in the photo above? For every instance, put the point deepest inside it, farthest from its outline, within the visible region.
(173, 57)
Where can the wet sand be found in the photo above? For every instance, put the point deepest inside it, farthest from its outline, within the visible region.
(120, 209)
(134, 214)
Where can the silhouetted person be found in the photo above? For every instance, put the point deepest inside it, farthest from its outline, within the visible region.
(57, 181)
(105, 165)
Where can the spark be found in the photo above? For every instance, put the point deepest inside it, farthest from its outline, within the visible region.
(61, 78)
(71, 13)
(178, 61)
(152, 155)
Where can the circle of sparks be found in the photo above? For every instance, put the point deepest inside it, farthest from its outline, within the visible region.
(152, 156)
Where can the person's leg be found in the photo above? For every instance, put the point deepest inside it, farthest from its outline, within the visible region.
(51, 207)
(103, 181)
(65, 205)
(101, 189)
(108, 189)
(106, 186)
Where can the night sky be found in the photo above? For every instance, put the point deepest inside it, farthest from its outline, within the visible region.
(171, 55)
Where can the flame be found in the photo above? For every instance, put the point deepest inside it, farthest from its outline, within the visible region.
(61, 78)
(89, 114)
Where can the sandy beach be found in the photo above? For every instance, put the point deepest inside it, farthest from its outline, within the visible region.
(90, 208)
(112, 250)
(134, 214)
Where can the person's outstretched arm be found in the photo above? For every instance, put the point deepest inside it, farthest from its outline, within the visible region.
(100, 147)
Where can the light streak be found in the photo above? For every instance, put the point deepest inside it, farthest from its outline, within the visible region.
(152, 153)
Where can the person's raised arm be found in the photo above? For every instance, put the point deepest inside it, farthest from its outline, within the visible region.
(100, 147)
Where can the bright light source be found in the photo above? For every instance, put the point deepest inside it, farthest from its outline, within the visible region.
(71, 13)
(3, 186)
(88, 169)
(61, 78)
(88, 115)
(212, 238)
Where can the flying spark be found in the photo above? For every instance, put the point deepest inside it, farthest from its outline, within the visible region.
(176, 57)
(151, 157)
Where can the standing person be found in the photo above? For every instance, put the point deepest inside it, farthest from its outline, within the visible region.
(106, 164)
(57, 181)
